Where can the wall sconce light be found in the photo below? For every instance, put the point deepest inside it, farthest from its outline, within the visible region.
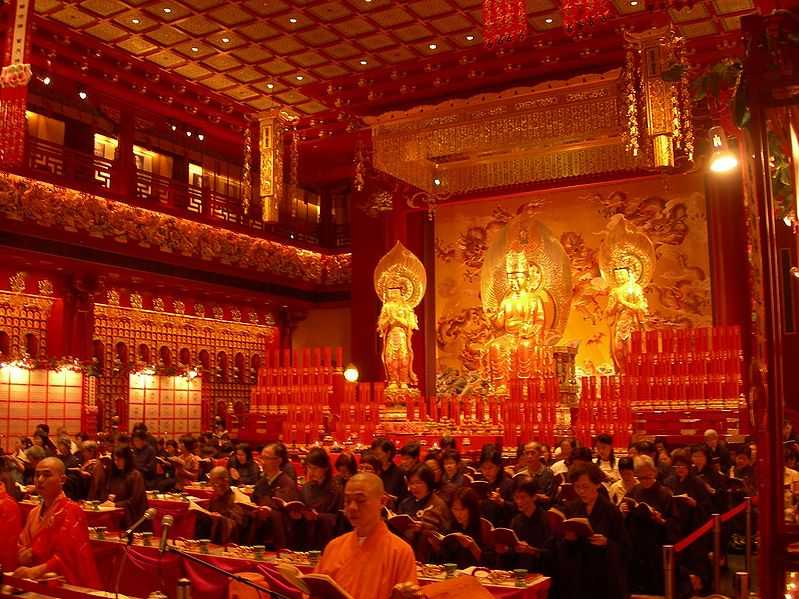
(722, 160)
(351, 374)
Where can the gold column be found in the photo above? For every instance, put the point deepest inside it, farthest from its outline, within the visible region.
(272, 125)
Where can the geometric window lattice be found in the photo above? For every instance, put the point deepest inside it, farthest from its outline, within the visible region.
(168, 405)
(31, 397)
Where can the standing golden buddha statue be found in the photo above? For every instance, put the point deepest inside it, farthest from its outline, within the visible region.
(400, 281)
(627, 262)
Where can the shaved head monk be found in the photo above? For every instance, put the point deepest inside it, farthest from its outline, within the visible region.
(55, 537)
(369, 562)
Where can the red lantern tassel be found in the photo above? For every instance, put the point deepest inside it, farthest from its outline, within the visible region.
(13, 101)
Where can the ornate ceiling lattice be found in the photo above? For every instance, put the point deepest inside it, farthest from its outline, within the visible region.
(320, 55)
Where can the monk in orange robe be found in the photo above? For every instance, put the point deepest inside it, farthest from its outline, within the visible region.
(10, 525)
(56, 537)
(369, 562)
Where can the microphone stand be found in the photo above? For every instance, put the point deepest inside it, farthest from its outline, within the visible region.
(231, 575)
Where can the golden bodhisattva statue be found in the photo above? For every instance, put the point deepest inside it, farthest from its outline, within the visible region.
(627, 262)
(400, 281)
(525, 288)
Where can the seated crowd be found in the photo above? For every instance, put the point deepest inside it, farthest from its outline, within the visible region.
(453, 506)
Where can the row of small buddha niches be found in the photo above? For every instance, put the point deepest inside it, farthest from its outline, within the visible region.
(567, 312)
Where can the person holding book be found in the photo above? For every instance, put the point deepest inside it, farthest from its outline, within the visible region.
(497, 503)
(428, 511)
(274, 485)
(693, 506)
(651, 523)
(124, 486)
(242, 467)
(187, 465)
(324, 496)
(591, 553)
(627, 481)
(531, 527)
(714, 481)
(393, 478)
(462, 544)
(369, 562)
(227, 518)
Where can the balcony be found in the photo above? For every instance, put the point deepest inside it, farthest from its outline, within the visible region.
(89, 173)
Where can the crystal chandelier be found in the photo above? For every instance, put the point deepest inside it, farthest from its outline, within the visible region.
(504, 22)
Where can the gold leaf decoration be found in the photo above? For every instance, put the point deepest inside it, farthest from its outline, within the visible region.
(17, 282)
(180, 307)
(45, 287)
(235, 314)
(253, 316)
(199, 310)
(218, 312)
(158, 304)
(136, 301)
(112, 297)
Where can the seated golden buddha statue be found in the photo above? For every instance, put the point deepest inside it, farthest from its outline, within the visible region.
(518, 321)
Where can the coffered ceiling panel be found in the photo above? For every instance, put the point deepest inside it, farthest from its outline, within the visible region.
(354, 55)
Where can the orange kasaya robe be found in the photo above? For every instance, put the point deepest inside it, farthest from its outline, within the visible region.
(60, 537)
(10, 525)
(369, 568)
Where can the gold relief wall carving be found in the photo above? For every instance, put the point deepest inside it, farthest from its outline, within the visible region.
(23, 199)
(45, 287)
(23, 322)
(670, 211)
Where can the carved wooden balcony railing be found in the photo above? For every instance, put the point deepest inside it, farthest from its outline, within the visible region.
(86, 172)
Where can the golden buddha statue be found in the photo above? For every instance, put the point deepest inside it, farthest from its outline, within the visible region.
(400, 282)
(526, 290)
(627, 262)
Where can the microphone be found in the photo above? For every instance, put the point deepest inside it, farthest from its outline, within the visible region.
(166, 523)
(148, 515)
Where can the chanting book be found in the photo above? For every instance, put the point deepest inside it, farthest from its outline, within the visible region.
(560, 524)
(640, 507)
(293, 506)
(316, 586)
(453, 536)
(481, 487)
(498, 536)
(402, 522)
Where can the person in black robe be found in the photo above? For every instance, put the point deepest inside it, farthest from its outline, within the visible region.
(429, 511)
(228, 519)
(531, 526)
(274, 484)
(322, 494)
(467, 549)
(124, 486)
(453, 470)
(144, 458)
(497, 504)
(393, 478)
(242, 467)
(717, 450)
(594, 566)
(693, 506)
(650, 527)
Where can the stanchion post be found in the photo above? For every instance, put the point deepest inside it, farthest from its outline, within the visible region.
(742, 585)
(716, 553)
(748, 554)
(668, 572)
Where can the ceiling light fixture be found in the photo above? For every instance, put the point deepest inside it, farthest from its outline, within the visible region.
(225, 40)
(300, 77)
(188, 133)
(46, 80)
(195, 49)
(201, 137)
(168, 10)
(633, 2)
(549, 20)
(364, 61)
(173, 127)
(135, 21)
(83, 95)
(433, 46)
(293, 20)
(470, 38)
(270, 85)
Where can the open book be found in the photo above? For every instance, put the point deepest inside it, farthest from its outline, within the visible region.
(293, 506)
(560, 524)
(498, 536)
(451, 537)
(640, 507)
(402, 522)
(481, 487)
(317, 586)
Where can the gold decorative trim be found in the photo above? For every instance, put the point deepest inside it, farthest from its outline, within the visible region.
(26, 200)
(45, 287)
(555, 130)
(17, 282)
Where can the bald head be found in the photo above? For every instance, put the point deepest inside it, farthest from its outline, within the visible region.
(371, 484)
(363, 502)
(218, 472)
(55, 465)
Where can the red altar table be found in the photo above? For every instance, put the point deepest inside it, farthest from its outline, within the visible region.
(144, 571)
(110, 517)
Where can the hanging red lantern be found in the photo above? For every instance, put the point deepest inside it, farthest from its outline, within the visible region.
(504, 22)
(14, 79)
(583, 14)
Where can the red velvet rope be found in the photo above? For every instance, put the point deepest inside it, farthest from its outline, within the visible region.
(708, 526)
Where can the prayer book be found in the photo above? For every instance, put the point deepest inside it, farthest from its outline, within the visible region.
(482, 487)
(293, 506)
(498, 536)
(560, 524)
(402, 522)
(640, 507)
(453, 536)
(317, 586)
